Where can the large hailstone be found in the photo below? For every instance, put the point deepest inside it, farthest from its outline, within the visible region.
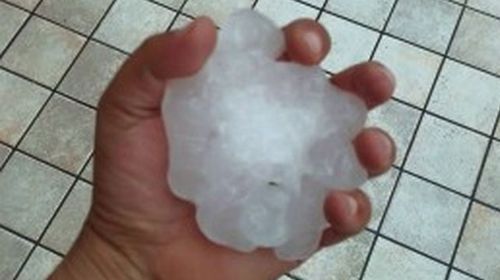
(257, 144)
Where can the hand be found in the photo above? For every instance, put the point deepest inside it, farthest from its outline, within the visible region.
(136, 228)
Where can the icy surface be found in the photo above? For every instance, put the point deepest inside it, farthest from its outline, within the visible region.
(257, 144)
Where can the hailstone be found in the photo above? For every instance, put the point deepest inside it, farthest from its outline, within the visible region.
(257, 144)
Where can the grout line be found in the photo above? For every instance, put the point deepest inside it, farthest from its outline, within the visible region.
(438, 116)
(22, 76)
(384, 33)
(37, 159)
(310, 5)
(471, 129)
(467, 273)
(53, 91)
(346, 18)
(406, 246)
(91, 156)
(393, 189)
(476, 186)
(177, 14)
(16, 233)
(115, 48)
(167, 6)
(254, 4)
(322, 10)
(384, 28)
(21, 27)
(419, 252)
(457, 60)
(436, 184)
(484, 13)
(412, 141)
(38, 241)
(29, 239)
(477, 10)
(76, 100)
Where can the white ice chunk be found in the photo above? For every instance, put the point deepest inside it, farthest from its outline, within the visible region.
(257, 144)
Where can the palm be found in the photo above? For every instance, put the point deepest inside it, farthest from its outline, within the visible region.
(131, 190)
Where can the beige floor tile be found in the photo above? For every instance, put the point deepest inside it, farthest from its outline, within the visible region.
(429, 23)
(63, 134)
(477, 41)
(91, 73)
(415, 69)
(497, 133)
(373, 13)
(455, 275)
(378, 190)
(399, 121)
(27, 4)
(489, 186)
(58, 46)
(390, 261)
(39, 266)
(30, 191)
(283, 12)
(479, 250)
(351, 43)
(130, 22)
(425, 217)
(82, 16)
(68, 222)
(88, 172)
(489, 6)
(438, 154)
(467, 96)
(12, 18)
(343, 261)
(20, 102)
(4, 153)
(218, 10)
(13, 251)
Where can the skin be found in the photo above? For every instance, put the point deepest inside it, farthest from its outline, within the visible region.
(136, 228)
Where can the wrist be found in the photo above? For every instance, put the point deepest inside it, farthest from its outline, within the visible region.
(92, 257)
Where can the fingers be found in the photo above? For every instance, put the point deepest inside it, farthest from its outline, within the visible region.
(348, 212)
(138, 88)
(376, 150)
(371, 81)
(307, 42)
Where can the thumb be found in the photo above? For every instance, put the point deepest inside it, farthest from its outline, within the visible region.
(137, 90)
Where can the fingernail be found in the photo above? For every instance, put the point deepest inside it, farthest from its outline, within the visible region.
(182, 31)
(313, 42)
(349, 204)
(388, 73)
(386, 145)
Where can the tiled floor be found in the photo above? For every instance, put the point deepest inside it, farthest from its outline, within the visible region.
(436, 213)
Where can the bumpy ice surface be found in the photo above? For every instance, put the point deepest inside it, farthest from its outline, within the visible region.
(257, 144)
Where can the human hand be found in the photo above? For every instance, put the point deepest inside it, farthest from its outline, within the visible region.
(136, 228)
